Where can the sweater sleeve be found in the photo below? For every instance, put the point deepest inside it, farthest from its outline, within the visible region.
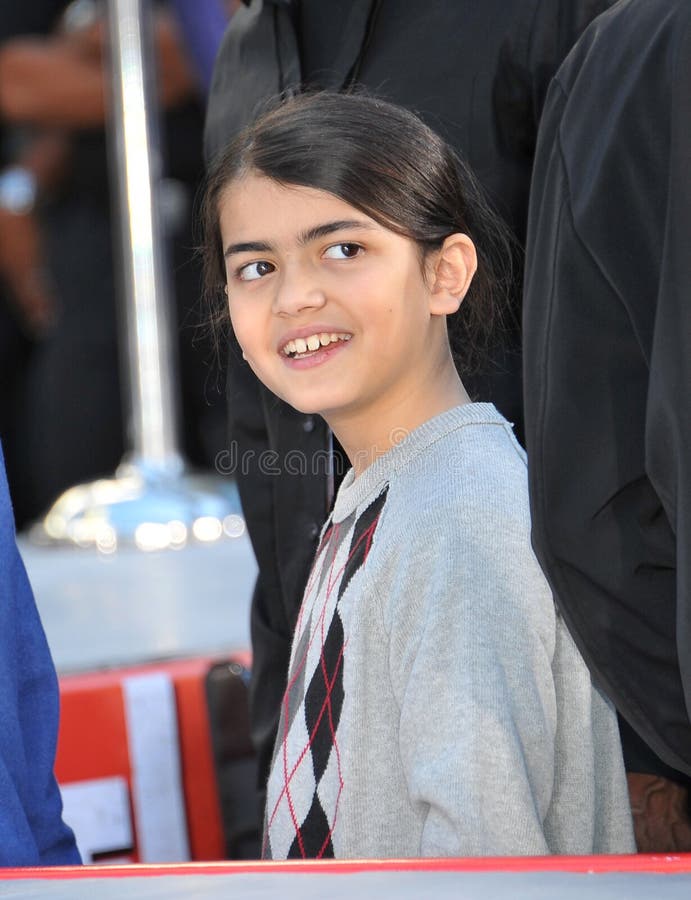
(472, 637)
(31, 828)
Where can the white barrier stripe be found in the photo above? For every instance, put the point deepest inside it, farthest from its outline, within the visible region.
(157, 791)
(98, 811)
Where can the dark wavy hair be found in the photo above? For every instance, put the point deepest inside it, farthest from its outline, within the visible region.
(384, 161)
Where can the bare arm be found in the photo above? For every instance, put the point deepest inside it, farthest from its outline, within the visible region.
(21, 266)
(60, 81)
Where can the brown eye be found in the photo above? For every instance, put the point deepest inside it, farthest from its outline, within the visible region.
(253, 271)
(343, 251)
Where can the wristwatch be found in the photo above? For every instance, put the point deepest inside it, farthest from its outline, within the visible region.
(18, 190)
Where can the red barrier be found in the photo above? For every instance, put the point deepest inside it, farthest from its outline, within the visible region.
(108, 739)
(595, 865)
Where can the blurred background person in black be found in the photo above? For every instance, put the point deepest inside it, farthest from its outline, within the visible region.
(25, 304)
(607, 330)
(64, 423)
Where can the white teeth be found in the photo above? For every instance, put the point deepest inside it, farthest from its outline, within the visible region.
(301, 346)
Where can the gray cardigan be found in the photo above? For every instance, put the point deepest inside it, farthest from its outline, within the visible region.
(436, 703)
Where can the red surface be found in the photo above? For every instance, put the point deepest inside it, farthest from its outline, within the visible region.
(204, 825)
(93, 736)
(92, 742)
(671, 865)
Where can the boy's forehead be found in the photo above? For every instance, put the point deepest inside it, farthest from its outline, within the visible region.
(255, 207)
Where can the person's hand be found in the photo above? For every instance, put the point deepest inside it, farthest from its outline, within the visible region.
(21, 268)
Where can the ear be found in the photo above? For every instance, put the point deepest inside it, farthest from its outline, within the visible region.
(453, 267)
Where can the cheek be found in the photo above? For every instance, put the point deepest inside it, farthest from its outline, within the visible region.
(235, 321)
(243, 322)
(250, 329)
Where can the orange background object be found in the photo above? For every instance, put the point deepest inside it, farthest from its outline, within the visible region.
(92, 741)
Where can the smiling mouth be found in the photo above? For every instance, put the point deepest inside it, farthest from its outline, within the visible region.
(299, 348)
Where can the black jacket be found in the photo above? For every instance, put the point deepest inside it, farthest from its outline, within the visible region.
(477, 73)
(607, 325)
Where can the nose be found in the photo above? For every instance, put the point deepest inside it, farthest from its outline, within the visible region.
(297, 290)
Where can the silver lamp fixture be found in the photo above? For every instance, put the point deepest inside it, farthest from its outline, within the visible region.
(152, 501)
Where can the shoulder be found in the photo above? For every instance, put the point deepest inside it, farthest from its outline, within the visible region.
(473, 474)
(456, 524)
(637, 34)
(454, 552)
(459, 508)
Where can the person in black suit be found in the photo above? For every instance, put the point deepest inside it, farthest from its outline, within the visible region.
(607, 322)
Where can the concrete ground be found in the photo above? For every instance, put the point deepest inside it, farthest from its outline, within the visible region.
(401, 885)
(131, 607)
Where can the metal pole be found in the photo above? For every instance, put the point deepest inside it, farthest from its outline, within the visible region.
(149, 351)
(152, 501)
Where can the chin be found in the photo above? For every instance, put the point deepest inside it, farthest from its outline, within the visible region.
(305, 408)
(324, 409)
(299, 404)
(317, 401)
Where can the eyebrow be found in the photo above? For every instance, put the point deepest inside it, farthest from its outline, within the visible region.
(305, 237)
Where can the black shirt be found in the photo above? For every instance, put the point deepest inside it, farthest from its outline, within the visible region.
(607, 326)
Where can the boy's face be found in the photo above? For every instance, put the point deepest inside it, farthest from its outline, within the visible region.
(330, 308)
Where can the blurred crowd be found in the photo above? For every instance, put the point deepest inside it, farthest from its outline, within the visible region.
(62, 374)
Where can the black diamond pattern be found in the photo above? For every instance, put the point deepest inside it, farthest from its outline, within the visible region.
(324, 697)
(314, 834)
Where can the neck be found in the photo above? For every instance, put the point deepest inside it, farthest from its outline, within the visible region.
(364, 438)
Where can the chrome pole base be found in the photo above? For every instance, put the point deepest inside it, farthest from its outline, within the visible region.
(149, 508)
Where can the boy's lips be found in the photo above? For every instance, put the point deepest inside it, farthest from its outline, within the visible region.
(309, 339)
(313, 358)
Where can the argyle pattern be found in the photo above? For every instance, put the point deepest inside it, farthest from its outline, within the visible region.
(307, 780)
